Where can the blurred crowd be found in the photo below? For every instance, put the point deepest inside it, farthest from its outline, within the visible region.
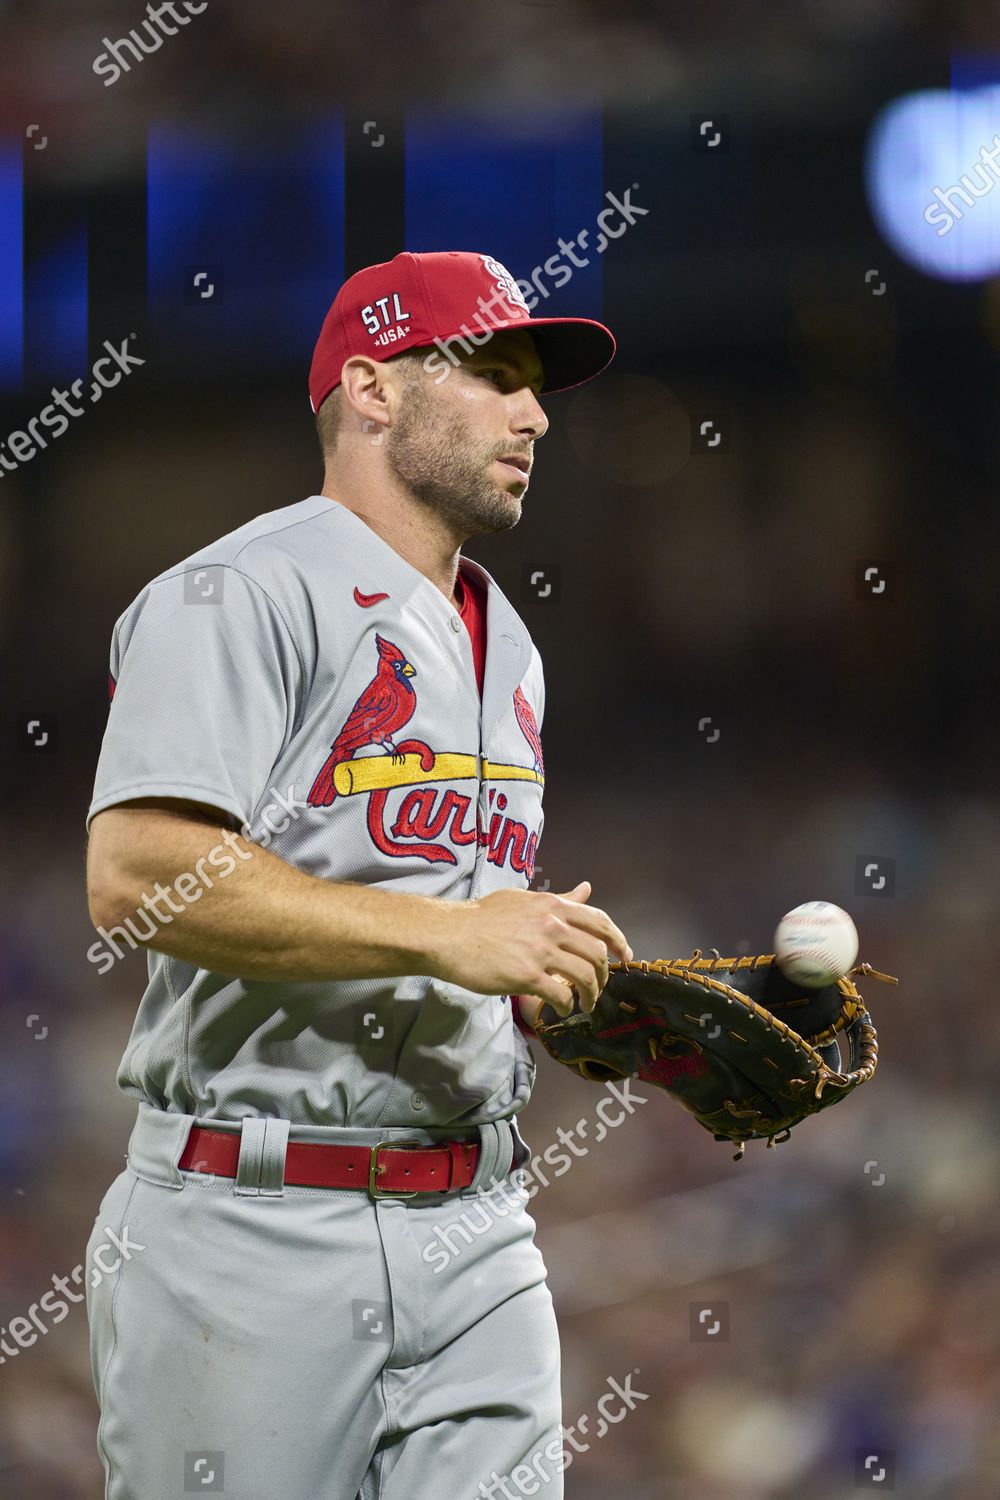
(305, 55)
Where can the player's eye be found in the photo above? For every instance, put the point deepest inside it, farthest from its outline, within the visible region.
(498, 377)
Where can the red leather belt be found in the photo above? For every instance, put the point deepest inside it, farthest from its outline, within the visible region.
(392, 1169)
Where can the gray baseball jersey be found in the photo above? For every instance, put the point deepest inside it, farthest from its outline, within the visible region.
(302, 677)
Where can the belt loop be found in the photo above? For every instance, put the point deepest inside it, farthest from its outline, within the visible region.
(272, 1167)
(505, 1151)
(496, 1151)
(251, 1153)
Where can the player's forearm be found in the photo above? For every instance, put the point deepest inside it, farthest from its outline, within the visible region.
(226, 904)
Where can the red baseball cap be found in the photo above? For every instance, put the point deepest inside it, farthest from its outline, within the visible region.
(447, 298)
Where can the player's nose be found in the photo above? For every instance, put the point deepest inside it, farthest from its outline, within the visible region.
(528, 418)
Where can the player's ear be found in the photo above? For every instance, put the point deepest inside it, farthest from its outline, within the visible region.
(367, 393)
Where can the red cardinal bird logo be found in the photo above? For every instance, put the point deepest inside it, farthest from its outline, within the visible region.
(384, 708)
(529, 728)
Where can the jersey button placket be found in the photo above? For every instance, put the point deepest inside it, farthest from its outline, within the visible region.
(482, 822)
(482, 811)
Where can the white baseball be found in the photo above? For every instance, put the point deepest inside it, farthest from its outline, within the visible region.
(815, 944)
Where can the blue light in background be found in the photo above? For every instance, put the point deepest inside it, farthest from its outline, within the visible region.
(56, 294)
(511, 192)
(11, 266)
(265, 225)
(933, 180)
(974, 70)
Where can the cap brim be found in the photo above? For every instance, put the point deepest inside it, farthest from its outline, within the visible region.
(572, 350)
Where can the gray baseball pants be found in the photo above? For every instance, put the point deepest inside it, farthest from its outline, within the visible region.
(294, 1343)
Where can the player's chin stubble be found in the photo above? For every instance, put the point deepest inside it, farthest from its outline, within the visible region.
(447, 469)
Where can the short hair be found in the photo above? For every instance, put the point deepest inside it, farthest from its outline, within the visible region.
(330, 417)
(328, 421)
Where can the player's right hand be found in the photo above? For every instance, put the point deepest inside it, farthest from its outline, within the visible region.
(531, 943)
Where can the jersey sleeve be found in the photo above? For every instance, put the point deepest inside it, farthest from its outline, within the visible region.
(206, 681)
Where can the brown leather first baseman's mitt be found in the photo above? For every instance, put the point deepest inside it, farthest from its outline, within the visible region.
(748, 1052)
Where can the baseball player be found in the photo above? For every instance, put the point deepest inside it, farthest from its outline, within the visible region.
(318, 807)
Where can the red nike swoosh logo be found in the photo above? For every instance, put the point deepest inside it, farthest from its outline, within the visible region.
(367, 600)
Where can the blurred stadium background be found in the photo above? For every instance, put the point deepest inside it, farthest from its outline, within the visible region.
(737, 718)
